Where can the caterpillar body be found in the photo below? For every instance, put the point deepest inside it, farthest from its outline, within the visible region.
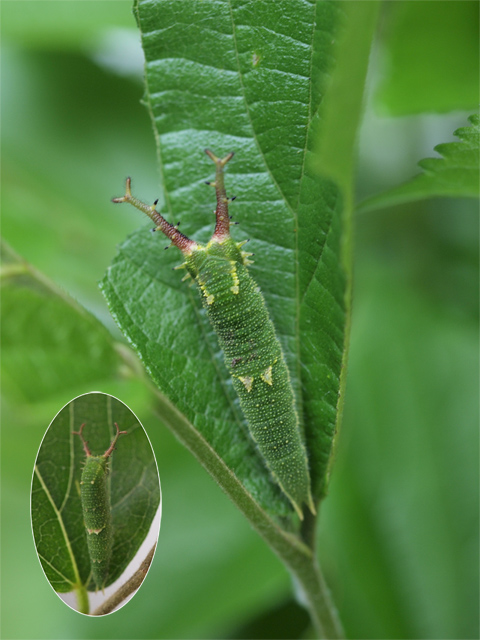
(96, 508)
(253, 355)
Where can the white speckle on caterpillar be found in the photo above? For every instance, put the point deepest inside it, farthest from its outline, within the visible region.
(247, 381)
(236, 282)
(96, 531)
(267, 376)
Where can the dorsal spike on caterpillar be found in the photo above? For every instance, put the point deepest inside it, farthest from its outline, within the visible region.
(108, 452)
(253, 354)
(222, 228)
(178, 239)
(84, 442)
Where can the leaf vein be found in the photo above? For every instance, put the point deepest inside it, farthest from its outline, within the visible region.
(61, 523)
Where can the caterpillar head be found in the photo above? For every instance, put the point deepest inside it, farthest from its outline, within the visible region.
(186, 245)
(110, 449)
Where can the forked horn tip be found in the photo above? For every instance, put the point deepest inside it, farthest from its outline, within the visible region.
(128, 192)
(211, 155)
(219, 161)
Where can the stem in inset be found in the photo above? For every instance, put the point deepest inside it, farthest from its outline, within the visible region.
(127, 588)
(83, 604)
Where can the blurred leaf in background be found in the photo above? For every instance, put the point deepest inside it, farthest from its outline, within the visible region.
(402, 516)
(453, 174)
(42, 357)
(429, 57)
(64, 147)
(401, 525)
(399, 530)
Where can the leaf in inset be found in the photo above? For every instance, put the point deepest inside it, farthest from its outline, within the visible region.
(57, 517)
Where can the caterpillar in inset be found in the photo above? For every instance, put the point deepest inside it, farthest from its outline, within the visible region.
(253, 354)
(96, 508)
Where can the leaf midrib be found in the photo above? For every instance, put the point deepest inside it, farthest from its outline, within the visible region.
(62, 526)
(71, 467)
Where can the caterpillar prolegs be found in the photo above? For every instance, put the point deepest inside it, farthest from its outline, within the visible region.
(253, 355)
(96, 508)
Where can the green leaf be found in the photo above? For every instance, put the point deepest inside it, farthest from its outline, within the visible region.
(57, 516)
(222, 79)
(430, 60)
(50, 343)
(249, 78)
(454, 174)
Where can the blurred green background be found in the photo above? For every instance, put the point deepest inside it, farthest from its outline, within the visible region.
(399, 530)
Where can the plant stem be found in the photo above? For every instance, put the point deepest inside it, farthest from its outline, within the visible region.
(83, 605)
(308, 529)
(294, 553)
(314, 593)
(127, 588)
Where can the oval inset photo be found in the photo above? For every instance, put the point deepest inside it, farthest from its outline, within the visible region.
(95, 504)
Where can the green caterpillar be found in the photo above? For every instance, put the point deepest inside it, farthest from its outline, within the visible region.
(96, 508)
(253, 354)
